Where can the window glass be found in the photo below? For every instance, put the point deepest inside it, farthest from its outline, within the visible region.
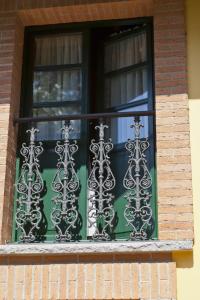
(126, 87)
(57, 86)
(121, 128)
(51, 130)
(125, 52)
(56, 79)
(59, 50)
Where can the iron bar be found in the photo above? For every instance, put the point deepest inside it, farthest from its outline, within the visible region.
(84, 116)
(138, 182)
(29, 188)
(65, 214)
(101, 182)
(101, 218)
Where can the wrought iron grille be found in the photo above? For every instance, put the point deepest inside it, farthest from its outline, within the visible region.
(101, 182)
(29, 188)
(101, 216)
(138, 182)
(65, 183)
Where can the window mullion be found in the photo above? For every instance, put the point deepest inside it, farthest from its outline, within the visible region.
(126, 69)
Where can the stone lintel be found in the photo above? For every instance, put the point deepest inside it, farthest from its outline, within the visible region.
(96, 247)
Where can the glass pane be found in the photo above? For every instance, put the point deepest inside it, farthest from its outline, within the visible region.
(57, 86)
(125, 52)
(51, 130)
(59, 50)
(126, 87)
(121, 130)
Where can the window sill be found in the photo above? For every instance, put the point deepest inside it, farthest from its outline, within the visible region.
(95, 247)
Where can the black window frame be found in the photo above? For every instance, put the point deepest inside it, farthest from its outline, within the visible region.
(33, 31)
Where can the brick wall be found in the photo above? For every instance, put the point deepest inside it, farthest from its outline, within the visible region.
(127, 277)
(173, 153)
(173, 149)
(173, 143)
(11, 48)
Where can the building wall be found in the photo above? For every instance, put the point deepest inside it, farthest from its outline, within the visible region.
(149, 276)
(89, 277)
(188, 264)
(173, 148)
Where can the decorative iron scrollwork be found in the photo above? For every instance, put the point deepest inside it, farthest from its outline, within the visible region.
(65, 183)
(29, 188)
(101, 181)
(137, 180)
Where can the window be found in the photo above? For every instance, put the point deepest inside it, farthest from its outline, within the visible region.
(93, 78)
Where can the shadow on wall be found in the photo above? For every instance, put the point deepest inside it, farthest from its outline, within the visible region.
(183, 259)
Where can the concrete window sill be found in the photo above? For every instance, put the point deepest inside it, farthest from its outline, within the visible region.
(95, 247)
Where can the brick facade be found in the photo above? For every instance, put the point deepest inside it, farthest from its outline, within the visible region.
(173, 149)
(127, 277)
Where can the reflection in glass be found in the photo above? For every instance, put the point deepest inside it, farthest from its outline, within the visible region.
(57, 86)
(120, 127)
(51, 130)
(126, 87)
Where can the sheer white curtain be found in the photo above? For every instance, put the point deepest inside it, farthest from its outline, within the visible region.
(57, 85)
(58, 50)
(125, 52)
(126, 86)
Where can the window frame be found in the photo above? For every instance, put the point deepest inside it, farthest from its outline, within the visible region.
(43, 30)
